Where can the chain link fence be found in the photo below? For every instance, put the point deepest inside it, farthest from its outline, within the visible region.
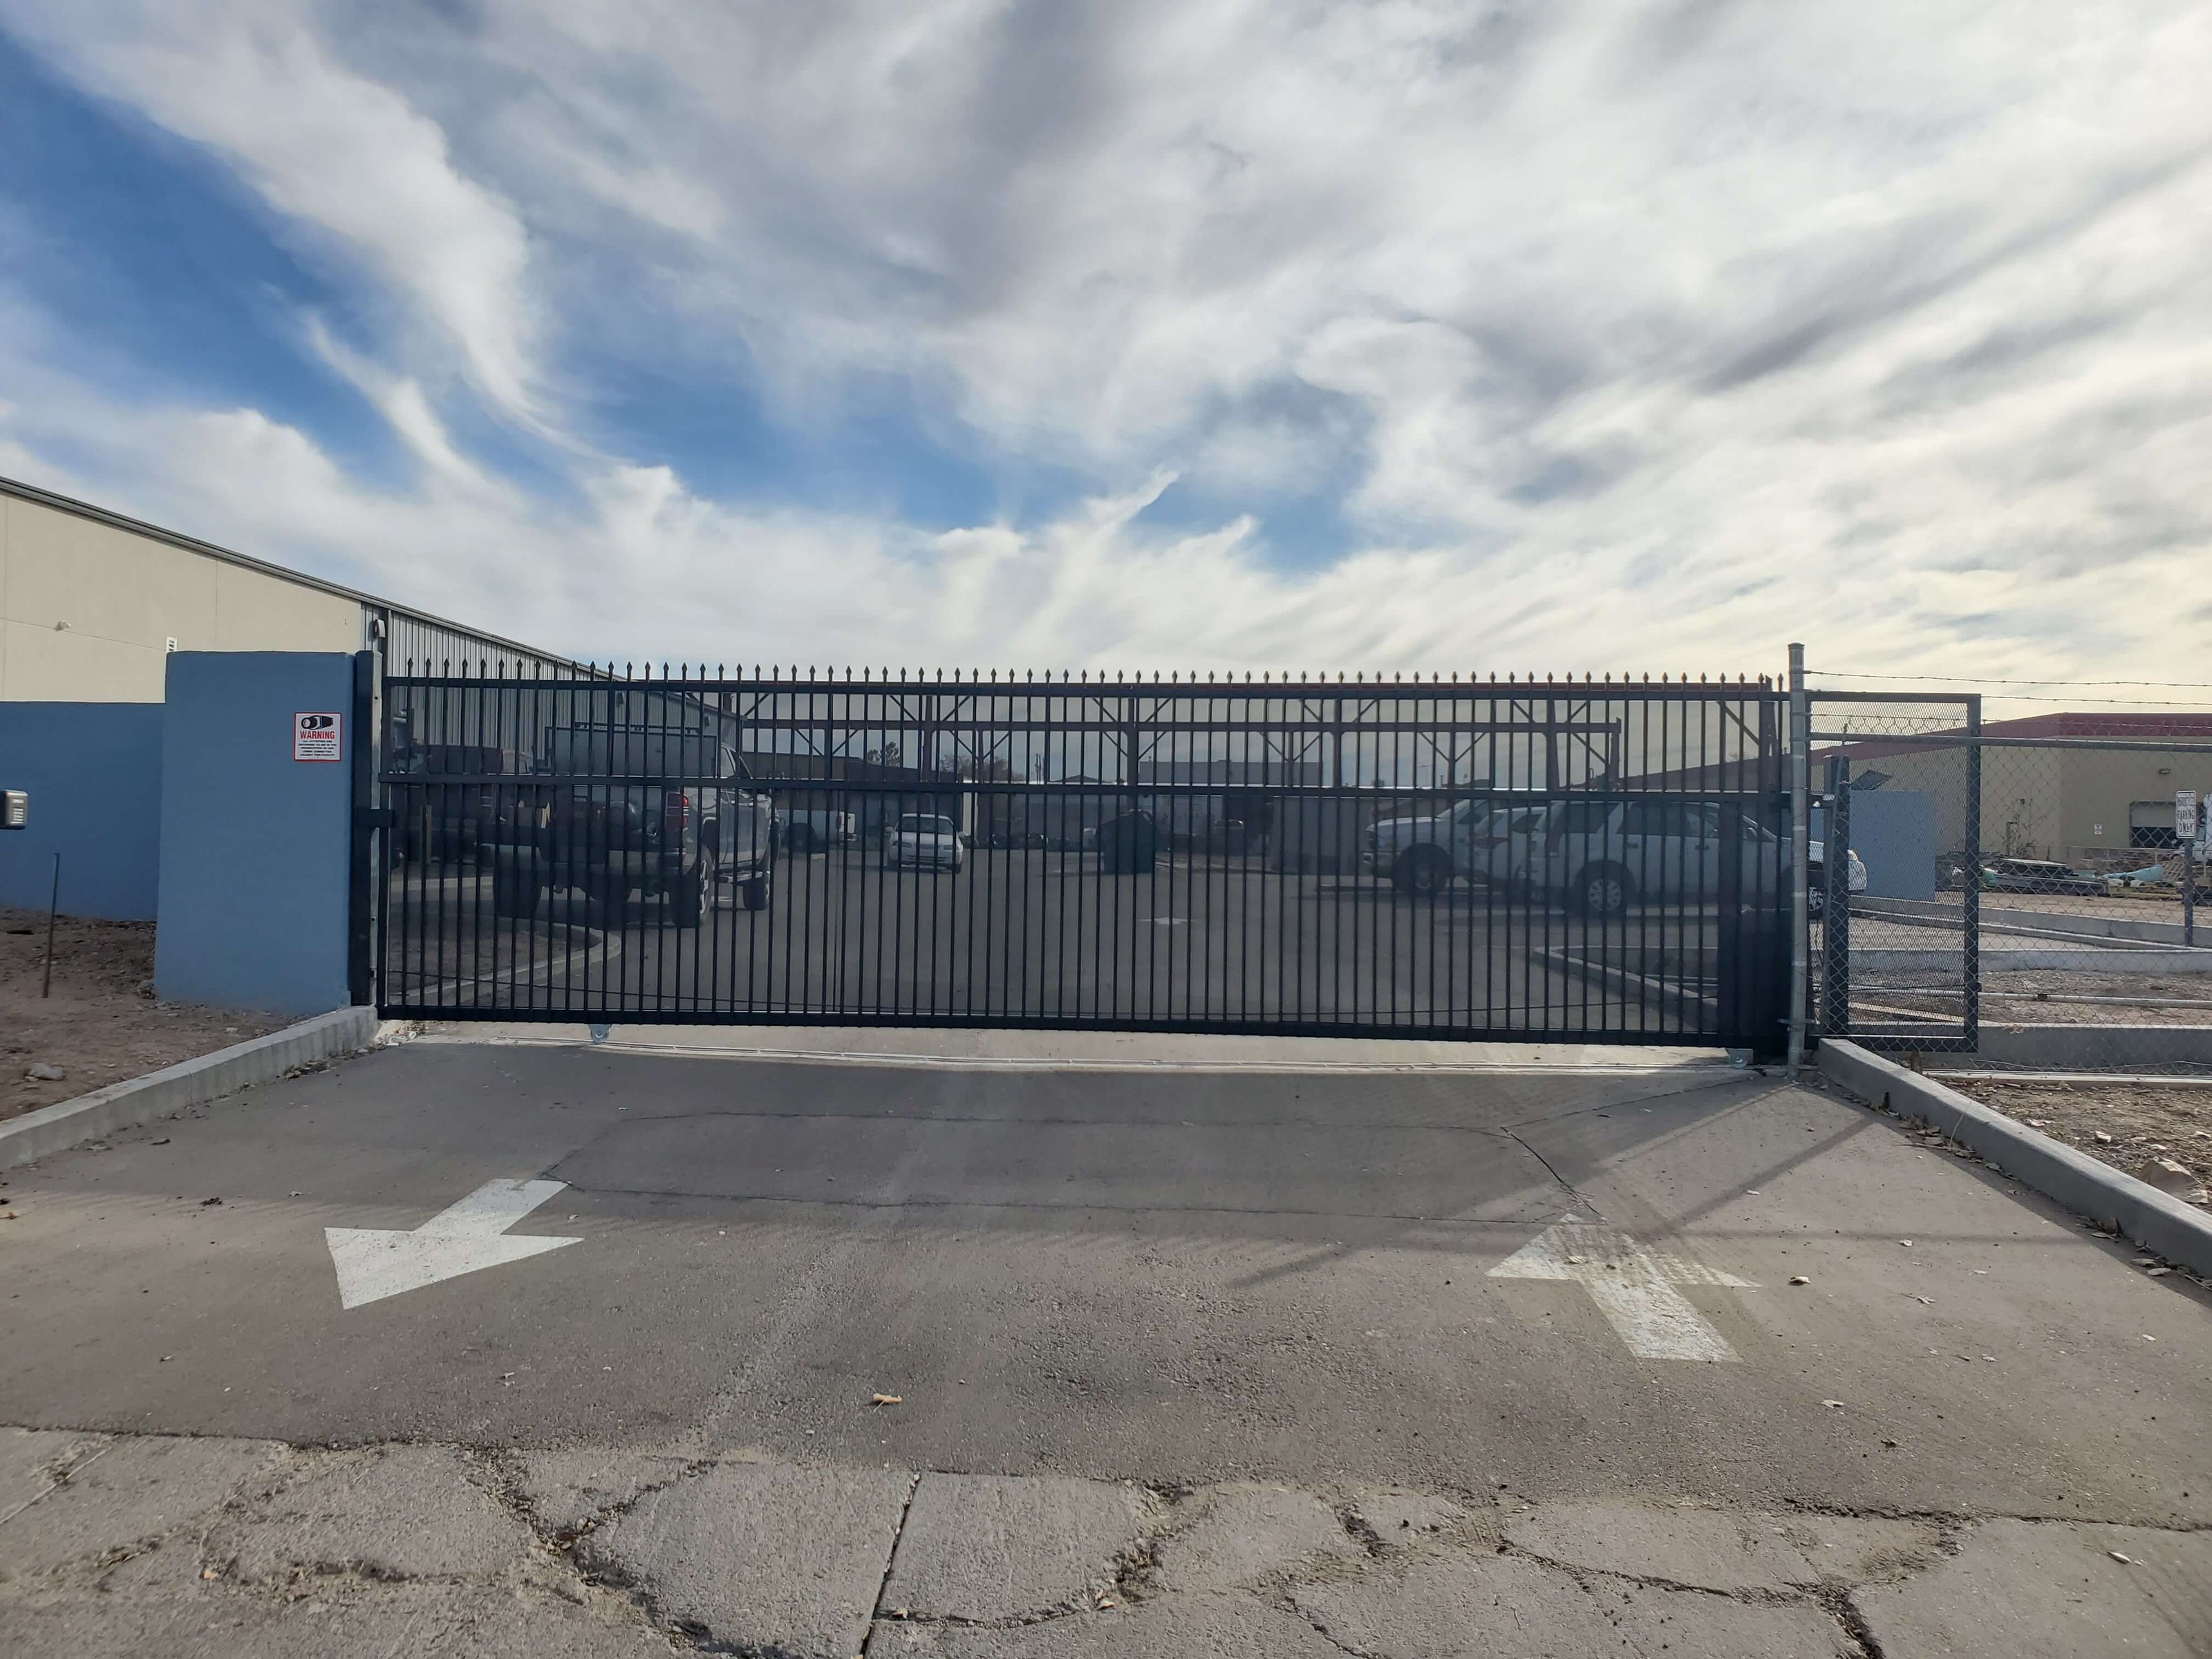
(2018, 914)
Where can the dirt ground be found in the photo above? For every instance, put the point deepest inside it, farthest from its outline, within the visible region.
(2143, 1123)
(99, 1027)
(2043, 997)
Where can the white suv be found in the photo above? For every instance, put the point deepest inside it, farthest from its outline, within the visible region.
(1422, 855)
(1600, 856)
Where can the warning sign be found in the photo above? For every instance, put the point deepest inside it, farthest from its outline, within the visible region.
(315, 738)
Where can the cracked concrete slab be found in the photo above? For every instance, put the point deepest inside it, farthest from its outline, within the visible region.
(392, 1512)
(1215, 1626)
(1459, 1606)
(1398, 1518)
(760, 1555)
(2027, 1590)
(135, 1490)
(1239, 1534)
(569, 1490)
(31, 1458)
(375, 1623)
(1705, 1548)
(987, 1547)
(1856, 1549)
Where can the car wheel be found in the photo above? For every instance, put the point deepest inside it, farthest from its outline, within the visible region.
(687, 899)
(1421, 872)
(1605, 890)
(755, 891)
(798, 841)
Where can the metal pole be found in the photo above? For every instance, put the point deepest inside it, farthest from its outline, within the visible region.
(53, 903)
(1800, 908)
(1969, 900)
(2188, 893)
(1836, 902)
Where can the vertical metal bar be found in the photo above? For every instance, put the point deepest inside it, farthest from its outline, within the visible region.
(1801, 738)
(1969, 900)
(360, 892)
(54, 907)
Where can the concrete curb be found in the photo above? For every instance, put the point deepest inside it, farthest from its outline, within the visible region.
(2162, 1223)
(2107, 1047)
(2005, 917)
(1684, 1004)
(189, 1082)
(2119, 959)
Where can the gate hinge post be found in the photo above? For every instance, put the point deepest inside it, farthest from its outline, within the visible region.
(1801, 838)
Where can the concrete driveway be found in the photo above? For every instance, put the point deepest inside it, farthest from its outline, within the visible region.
(1180, 1359)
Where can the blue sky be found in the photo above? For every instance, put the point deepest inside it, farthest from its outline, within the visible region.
(1405, 336)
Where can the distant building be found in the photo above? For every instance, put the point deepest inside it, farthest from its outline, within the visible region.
(2081, 805)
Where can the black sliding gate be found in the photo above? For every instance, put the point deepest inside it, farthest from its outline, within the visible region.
(1422, 858)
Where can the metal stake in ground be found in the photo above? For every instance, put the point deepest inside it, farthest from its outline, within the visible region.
(2186, 831)
(53, 903)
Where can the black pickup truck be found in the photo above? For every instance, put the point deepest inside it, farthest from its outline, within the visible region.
(609, 811)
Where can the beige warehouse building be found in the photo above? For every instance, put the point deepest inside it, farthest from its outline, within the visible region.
(92, 606)
(92, 602)
(2064, 800)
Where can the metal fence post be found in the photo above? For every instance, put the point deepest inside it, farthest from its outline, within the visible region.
(1970, 898)
(1800, 908)
(1836, 902)
(360, 885)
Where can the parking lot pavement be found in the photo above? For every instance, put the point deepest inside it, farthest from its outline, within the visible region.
(1223, 1362)
(1017, 936)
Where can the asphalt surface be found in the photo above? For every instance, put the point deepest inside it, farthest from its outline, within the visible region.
(1050, 936)
(1169, 1276)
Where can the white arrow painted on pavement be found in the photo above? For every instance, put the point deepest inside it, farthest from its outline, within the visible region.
(1633, 1287)
(374, 1263)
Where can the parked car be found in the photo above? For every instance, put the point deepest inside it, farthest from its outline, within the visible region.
(1598, 856)
(1816, 864)
(448, 820)
(812, 829)
(611, 811)
(1423, 855)
(2041, 876)
(922, 840)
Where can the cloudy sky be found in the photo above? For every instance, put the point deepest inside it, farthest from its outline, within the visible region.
(1226, 333)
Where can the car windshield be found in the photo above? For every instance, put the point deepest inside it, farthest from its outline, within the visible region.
(921, 823)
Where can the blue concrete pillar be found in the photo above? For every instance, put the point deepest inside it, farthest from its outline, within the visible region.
(257, 812)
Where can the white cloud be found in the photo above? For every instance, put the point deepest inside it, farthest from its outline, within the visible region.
(346, 157)
(1628, 340)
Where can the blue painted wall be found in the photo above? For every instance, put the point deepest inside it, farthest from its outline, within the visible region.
(93, 770)
(1893, 833)
(254, 843)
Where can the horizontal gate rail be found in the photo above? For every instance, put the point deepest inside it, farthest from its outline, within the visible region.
(1428, 858)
